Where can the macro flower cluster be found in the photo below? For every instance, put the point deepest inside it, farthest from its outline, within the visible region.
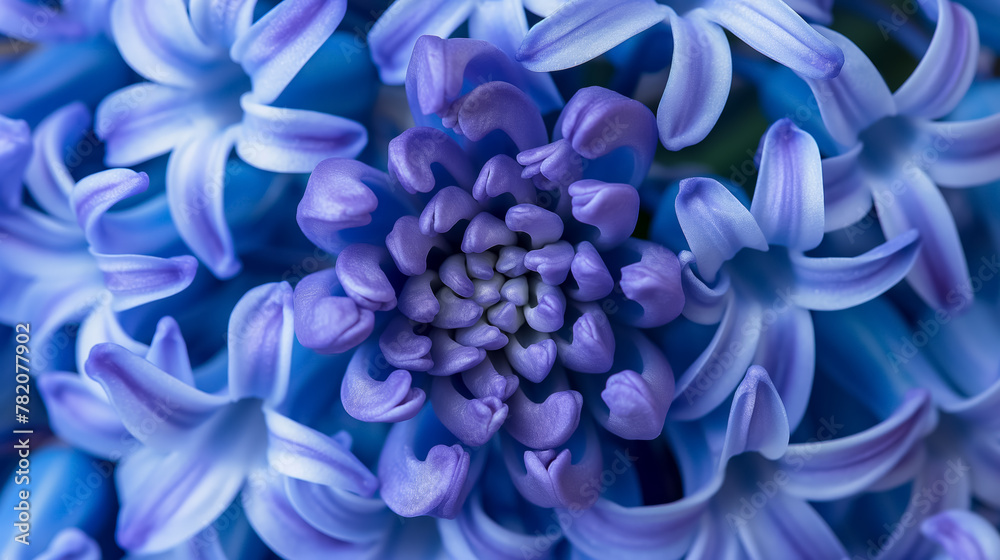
(500, 279)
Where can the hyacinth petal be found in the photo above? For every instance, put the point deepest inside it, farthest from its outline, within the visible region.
(220, 22)
(397, 31)
(551, 478)
(339, 513)
(591, 348)
(787, 351)
(597, 121)
(703, 304)
(967, 152)
(454, 275)
(813, 10)
(609, 530)
(718, 370)
(403, 348)
(502, 175)
(757, 420)
(17, 17)
(473, 421)
(978, 410)
(144, 395)
(196, 178)
(341, 198)
(417, 300)
(984, 457)
(716, 224)
(101, 325)
(81, 416)
(500, 23)
(15, 154)
(772, 28)
(533, 361)
(488, 380)
(277, 46)
(486, 231)
(412, 153)
(593, 280)
(206, 545)
(442, 70)
(504, 24)
(142, 121)
(940, 268)
(541, 225)
(581, 30)
(456, 312)
(167, 499)
(654, 283)
(847, 197)
(46, 175)
(701, 73)
(788, 525)
(158, 41)
(276, 521)
(95, 194)
(715, 541)
(362, 278)
(450, 357)
(832, 283)
(260, 337)
(303, 453)
(137, 279)
(788, 201)
(475, 534)
(963, 535)
(856, 98)
(293, 140)
(449, 206)
(392, 399)
(168, 351)
(841, 467)
(954, 495)
(71, 544)
(638, 401)
(552, 262)
(326, 323)
(612, 208)
(946, 70)
(434, 485)
(500, 106)
(543, 425)
(482, 335)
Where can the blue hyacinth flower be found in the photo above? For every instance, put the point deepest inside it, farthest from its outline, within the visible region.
(200, 450)
(746, 270)
(746, 488)
(214, 77)
(490, 294)
(701, 68)
(893, 151)
(70, 251)
(877, 357)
